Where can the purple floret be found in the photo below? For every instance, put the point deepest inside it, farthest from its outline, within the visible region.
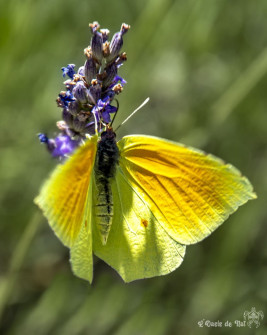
(68, 70)
(64, 145)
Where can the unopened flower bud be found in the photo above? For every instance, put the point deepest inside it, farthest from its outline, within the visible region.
(117, 42)
(78, 125)
(111, 72)
(105, 33)
(80, 92)
(67, 117)
(73, 107)
(90, 70)
(95, 90)
(96, 42)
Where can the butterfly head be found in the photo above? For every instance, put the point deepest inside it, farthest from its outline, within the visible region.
(108, 134)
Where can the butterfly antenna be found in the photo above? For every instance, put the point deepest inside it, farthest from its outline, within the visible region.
(118, 105)
(96, 130)
(136, 110)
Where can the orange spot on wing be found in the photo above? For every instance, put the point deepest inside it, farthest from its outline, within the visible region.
(85, 223)
(144, 223)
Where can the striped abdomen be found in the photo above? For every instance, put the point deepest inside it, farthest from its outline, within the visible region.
(105, 167)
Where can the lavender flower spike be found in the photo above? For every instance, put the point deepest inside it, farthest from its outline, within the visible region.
(89, 92)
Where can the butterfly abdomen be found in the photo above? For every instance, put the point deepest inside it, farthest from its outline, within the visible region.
(105, 168)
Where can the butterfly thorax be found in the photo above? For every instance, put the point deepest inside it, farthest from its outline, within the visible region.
(107, 157)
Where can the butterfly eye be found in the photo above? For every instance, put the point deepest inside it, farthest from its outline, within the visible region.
(103, 134)
(108, 133)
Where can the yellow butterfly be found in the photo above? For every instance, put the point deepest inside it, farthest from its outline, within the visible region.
(138, 202)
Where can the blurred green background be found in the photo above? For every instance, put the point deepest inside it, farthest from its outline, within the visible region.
(203, 63)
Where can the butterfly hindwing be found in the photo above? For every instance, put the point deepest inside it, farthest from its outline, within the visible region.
(189, 192)
(137, 246)
(81, 253)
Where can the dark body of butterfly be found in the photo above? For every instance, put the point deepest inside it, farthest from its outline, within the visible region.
(107, 157)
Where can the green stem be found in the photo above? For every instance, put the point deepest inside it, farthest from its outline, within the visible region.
(239, 89)
(8, 283)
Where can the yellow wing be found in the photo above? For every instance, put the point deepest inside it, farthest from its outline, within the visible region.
(189, 192)
(81, 252)
(63, 196)
(137, 247)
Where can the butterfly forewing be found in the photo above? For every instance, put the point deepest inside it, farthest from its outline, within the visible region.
(189, 192)
(63, 196)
